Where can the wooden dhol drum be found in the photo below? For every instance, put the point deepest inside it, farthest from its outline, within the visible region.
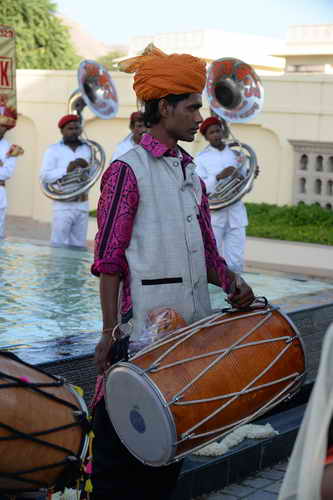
(43, 433)
(203, 381)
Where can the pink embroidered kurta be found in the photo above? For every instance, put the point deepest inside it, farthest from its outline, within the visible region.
(116, 212)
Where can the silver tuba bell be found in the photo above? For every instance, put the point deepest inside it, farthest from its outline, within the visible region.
(98, 92)
(234, 93)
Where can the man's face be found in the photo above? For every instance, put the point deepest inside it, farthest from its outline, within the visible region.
(71, 131)
(3, 130)
(214, 135)
(138, 129)
(182, 121)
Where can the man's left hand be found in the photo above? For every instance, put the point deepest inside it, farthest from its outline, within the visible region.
(240, 293)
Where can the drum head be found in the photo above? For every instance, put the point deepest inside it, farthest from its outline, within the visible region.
(140, 415)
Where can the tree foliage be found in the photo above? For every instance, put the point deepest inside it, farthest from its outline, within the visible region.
(43, 42)
(109, 60)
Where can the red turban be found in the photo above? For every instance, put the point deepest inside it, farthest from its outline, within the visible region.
(158, 74)
(66, 119)
(212, 120)
(9, 117)
(137, 116)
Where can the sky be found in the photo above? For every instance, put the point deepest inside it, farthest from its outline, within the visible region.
(115, 21)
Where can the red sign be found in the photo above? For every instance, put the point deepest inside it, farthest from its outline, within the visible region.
(7, 75)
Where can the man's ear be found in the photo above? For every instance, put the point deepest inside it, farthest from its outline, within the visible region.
(164, 108)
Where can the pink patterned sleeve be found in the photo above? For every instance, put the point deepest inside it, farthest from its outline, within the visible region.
(116, 211)
(213, 259)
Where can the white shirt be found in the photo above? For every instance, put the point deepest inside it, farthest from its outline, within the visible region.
(55, 163)
(210, 162)
(123, 146)
(6, 171)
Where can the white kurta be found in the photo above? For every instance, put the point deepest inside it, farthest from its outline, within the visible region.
(306, 465)
(70, 218)
(228, 223)
(123, 147)
(6, 171)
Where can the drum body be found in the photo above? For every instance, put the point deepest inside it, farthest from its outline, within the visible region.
(42, 435)
(203, 381)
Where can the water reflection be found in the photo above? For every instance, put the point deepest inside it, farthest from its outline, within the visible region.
(45, 293)
(49, 294)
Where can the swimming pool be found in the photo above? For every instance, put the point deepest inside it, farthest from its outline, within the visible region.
(45, 293)
(49, 293)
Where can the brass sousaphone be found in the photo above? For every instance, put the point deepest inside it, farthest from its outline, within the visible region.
(235, 93)
(98, 92)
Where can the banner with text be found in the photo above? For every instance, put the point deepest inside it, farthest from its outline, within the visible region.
(8, 110)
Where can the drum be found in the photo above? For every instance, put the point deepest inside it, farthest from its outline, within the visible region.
(203, 381)
(43, 436)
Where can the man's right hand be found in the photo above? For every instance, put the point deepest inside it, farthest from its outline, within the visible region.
(225, 173)
(78, 163)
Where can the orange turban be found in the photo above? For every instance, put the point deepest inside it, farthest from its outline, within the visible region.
(158, 74)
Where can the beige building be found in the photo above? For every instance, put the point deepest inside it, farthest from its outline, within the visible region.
(308, 49)
(292, 136)
(212, 44)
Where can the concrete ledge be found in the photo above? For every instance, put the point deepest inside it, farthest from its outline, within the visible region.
(289, 256)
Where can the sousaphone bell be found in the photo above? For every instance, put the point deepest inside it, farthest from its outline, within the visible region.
(234, 93)
(98, 92)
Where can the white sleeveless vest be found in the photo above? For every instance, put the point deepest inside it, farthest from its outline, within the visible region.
(166, 255)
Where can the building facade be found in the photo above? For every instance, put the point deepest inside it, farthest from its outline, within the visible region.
(297, 113)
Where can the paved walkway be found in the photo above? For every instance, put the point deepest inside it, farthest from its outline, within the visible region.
(265, 485)
(27, 229)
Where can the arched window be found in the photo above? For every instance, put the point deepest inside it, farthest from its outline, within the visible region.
(302, 185)
(319, 163)
(317, 186)
(329, 188)
(328, 206)
(304, 160)
(330, 164)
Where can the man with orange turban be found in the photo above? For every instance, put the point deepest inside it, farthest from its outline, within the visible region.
(155, 239)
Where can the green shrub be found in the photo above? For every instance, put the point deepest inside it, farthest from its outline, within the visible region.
(306, 223)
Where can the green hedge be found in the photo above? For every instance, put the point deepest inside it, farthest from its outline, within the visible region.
(306, 223)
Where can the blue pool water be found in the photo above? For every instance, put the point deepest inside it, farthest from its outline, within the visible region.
(49, 293)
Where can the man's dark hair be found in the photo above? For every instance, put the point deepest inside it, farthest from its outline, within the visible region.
(151, 115)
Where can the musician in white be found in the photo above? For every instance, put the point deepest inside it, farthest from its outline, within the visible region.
(8, 155)
(70, 218)
(137, 128)
(215, 163)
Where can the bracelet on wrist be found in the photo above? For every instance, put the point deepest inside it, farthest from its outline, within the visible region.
(113, 332)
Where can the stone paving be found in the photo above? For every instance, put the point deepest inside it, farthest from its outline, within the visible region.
(265, 485)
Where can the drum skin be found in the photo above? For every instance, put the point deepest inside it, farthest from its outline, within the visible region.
(230, 375)
(27, 411)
